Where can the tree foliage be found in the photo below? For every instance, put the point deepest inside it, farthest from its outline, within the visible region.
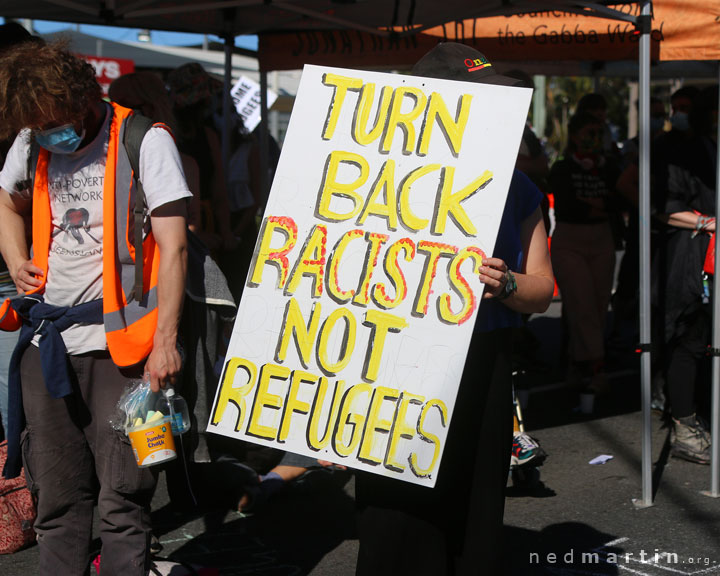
(563, 94)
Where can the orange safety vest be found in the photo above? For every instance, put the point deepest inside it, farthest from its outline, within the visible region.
(129, 326)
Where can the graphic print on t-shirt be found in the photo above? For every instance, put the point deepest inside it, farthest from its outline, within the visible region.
(589, 185)
(76, 201)
(76, 193)
(74, 221)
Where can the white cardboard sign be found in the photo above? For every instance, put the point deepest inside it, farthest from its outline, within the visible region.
(246, 99)
(359, 305)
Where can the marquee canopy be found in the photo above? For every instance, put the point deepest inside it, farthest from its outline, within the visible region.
(681, 30)
(566, 42)
(235, 17)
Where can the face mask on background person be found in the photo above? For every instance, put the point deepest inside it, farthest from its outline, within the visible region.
(60, 140)
(680, 121)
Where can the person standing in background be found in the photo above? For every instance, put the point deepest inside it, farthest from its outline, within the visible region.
(691, 215)
(190, 92)
(145, 92)
(583, 254)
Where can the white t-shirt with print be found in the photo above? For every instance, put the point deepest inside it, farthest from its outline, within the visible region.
(75, 183)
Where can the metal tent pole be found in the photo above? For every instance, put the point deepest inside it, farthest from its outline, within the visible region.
(715, 424)
(264, 147)
(229, 48)
(226, 103)
(644, 26)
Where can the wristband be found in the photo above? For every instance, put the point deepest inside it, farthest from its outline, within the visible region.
(702, 223)
(510, 286)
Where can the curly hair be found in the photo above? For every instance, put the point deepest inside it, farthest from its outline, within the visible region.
(41, 83)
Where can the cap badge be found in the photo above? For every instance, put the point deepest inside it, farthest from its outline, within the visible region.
(477, 64)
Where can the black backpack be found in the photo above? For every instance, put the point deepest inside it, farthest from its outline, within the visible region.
(135, 130)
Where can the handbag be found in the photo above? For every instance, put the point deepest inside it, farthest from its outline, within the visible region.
(709, 264)
(17, 511)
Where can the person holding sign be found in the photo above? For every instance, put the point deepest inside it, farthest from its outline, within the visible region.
(361, 300)
(459, 521)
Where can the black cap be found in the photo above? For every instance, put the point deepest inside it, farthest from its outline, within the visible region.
(455, 61)
(13, 33)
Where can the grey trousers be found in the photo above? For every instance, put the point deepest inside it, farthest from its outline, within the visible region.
(72, 457)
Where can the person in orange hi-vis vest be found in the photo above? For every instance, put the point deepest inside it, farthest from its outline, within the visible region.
(90, 320)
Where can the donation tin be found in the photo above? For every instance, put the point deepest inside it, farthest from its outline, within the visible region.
(152, 443)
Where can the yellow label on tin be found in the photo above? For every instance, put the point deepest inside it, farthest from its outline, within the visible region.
(153, 443)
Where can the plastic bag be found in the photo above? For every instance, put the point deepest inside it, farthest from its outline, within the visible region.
(137, 405)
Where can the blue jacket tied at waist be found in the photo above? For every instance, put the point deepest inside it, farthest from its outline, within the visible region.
(48, 322)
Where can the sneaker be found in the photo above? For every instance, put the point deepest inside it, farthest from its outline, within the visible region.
(526, 451)
(689, 440)
(155, 546)
(658, 400)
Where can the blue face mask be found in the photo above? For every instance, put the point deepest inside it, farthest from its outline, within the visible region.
(60, 140)
(680, 121)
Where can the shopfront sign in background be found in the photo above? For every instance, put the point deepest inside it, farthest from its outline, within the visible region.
(108, 69)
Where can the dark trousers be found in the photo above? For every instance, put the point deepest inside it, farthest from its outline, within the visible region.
(688, 349)
(72, 457)
(456, 527)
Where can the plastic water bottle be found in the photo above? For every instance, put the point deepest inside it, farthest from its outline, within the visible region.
(178, 410)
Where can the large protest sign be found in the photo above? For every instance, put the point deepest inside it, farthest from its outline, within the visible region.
(359, 305)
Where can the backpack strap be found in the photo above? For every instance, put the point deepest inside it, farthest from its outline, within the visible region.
(26, 186)
(135, 130)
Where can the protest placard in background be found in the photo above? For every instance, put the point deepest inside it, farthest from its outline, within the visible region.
(359, 305)
(246, 99)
